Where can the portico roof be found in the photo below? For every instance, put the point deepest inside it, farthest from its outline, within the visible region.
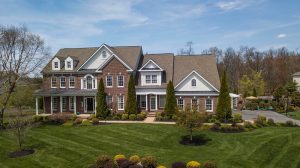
(66, 92)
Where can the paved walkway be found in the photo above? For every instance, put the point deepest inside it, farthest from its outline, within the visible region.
(251, 115)
(148, 120)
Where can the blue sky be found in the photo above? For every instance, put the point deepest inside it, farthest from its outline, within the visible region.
(158, 25)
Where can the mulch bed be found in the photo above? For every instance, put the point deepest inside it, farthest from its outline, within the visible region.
(197, 140)
(21, 153)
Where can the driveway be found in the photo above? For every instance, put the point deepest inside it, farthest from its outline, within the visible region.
(251, 115)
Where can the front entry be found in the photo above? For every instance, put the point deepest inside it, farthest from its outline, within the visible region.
(152, 103)
(89, 105)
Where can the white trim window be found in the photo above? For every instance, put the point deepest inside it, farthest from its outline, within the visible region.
(71, 103)
(53, 82)
(180, 103)
(162, 101)
(121, 102)
(55, 64)
(89, 82)
(69, 65)
(154, 78)
(194, 83)
(109, 81)
(71, 82)
(120, 79)
(64, 103)
(104, 54)
(62, 82)
(109, 101)
(209, 105)
(143, 101)
(54, 103)
(194, 103)
(148, 78)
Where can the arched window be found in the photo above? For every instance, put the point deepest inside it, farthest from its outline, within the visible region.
(89, 82)
(103, 54)
(194, 83)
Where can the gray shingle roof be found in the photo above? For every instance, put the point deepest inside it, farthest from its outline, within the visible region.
(296, 74)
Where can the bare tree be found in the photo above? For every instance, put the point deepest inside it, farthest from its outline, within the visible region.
(21, 54)
(188, 50)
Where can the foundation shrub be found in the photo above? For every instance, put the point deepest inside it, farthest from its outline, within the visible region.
(149, 162)
(144, 114)
(86, 123)
(271, 122)
(249, 125)
(125, 116)
(135, 159)
(104, 161)
(132, 117)
(95, 121)
(77, 121)
(237, 117)
(178, 165)
(261, 121)
(37, 118)
(193, 164)
(139, 117)
(119, 156)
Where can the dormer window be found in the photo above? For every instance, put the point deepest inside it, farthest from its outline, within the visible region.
(194, 83)
(55, 64)
(69, 63)
(104, 54)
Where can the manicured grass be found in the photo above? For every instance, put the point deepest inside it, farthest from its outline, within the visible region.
(66, 146)
(294, 115)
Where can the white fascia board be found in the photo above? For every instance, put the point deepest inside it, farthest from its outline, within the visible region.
(109, 59)
(200, 77)
(196, 94)
(153, 63)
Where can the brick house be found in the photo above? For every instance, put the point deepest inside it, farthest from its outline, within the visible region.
(71, 78)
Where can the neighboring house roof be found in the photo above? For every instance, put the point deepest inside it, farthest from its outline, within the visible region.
(205, 65)
(128, 54)
(296, 74)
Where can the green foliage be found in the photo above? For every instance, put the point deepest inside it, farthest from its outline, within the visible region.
(104, 161)
(224, 102)
(118, 157)
(78, 121)
(249, 125)
(149, 162)
(95, 121)
(139, 117)
(271, 122)
(291, 87)
(260, 121)
(254, 92)
(237, 117)
(193, 164)
(102, 108)
(278, 93)
(125, 116)
(132, 117)
(86, 123)
(245, 86)
(131, 102)
(170, 105)
(144, 114)
(290, 123)
(37, 118)
(254, 84)
(190, 119)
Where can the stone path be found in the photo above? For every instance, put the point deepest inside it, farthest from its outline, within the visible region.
(148, 120)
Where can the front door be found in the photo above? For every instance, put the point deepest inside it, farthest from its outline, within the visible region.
(152, 103)
(89, 105)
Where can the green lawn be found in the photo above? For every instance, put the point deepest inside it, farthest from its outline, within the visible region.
(66, 146)
(294, 115)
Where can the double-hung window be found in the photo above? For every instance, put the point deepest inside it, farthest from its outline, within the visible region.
(53, 82)
(120, 80)
(154, 78)
(109, 81)
(148, 78)
(180, 103)
(194, 103)
(62, 82)
(109, 101)
(208, 104)
(69, 65)
(71, 82)
(120, 102)
(56, 65)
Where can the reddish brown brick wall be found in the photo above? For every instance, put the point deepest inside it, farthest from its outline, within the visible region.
(201, 101)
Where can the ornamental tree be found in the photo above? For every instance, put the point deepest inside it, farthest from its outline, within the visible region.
(131, 102)
(170, 106)
(102, 108)
(224, 105)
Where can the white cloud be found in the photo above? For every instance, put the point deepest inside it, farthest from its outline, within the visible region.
(235, 4)
(184, 11)
(282, 35)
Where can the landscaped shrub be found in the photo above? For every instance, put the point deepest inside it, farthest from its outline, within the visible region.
(251, 105)
(160, 166)
(249, 125)
(86, 123)
(209, 164)
(116, 117)
(260, 121)
(124, 163)
(213, 119)
(178, 165)
(232, 128)
(215, 127)
(95, 121)
(149, 162)
(271, 122)
(144, 114)
(193, 164)
(73, 118)
(124, 116)
(139, 117)
(59, 118)
(132, 117)
(290, 123)
(119, 156)
(37, 118)
(158, 118)
(135, 159)
(136, 166)
(78, 121)
(104, 161)
(237, 117)
(174, 117)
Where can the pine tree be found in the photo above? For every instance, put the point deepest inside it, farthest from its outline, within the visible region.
(131, 102)
(170, 106)
(224, 104)
(102, 108)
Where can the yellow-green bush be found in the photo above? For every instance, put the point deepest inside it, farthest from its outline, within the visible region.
(135, 159)
(160, 166)
(119, 156)
(193, 164)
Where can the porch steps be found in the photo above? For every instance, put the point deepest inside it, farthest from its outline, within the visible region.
(151, 114)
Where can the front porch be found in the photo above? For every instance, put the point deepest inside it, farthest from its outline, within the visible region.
(151, 102)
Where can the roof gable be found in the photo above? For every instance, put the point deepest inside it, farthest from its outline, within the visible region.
(99, 69)
(201, 83)
(151, 66)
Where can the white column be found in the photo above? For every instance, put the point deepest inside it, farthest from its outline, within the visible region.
(51, 106)
(146, 102)
(95, 106)
(36, 106)
(60, 102)
(74, 99)
(156, 98)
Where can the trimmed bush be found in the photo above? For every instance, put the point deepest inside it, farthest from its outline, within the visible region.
(104, 161)
(95, 121)
(209, 164)
(237, 117)
(119, 156)
(249, 125)
(74, 117)
(139, 117)
(271, 122)
(178, 165)
(116, 117)
(144, 114)
(260, 121)
(124, 163)
(135, 159)
(132, 117)
(232, 128)
(78, 121)
(125, 116)
(86, 123)
(290, 123)
(59, 118)
(193, 164)
(149, 162)
(37, 118)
